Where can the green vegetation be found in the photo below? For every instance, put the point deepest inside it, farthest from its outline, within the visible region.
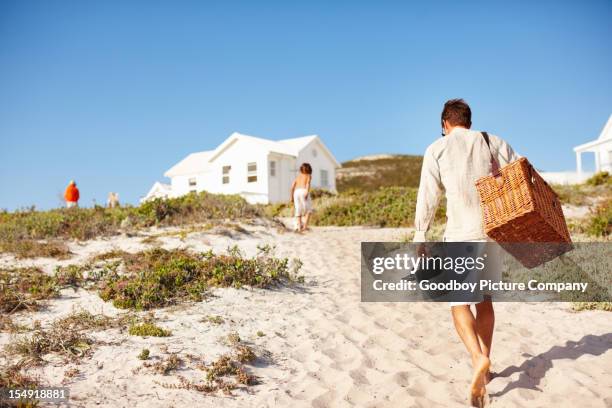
(149, 329)
(371, 175)
(599, 179)
(159, 277)
(144, 354)
(18, 229)
(214, 320)
(581, 194)
(386, 207)
(597, 224)
(579, 306)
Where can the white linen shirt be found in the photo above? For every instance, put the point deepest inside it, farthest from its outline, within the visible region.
(452, 164)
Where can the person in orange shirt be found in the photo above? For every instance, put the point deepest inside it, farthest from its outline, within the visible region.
(72, 195)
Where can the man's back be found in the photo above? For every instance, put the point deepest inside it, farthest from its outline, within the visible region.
(453, 164)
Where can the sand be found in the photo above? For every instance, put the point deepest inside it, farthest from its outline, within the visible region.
(322, 347)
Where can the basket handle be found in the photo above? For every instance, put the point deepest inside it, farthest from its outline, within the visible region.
(495, 169)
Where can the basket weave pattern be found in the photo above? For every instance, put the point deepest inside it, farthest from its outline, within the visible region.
(520, 207)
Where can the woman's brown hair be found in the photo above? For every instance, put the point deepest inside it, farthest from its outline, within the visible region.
(305, 168)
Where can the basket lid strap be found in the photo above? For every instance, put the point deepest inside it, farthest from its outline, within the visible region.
(494, 162)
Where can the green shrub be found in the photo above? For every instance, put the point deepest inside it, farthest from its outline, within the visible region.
(159, 277)
(144, 354)
(600, 221)
(148, 329)
(579, 306)
(601, 178)
(386, 207)
(597, 224)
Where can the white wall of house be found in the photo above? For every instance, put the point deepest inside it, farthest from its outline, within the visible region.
(238, 157)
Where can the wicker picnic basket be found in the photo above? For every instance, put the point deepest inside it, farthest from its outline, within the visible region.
(520, 208)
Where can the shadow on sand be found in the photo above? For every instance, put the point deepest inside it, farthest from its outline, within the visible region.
(535, 367)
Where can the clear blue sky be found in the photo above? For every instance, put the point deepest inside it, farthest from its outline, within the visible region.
(112, 93)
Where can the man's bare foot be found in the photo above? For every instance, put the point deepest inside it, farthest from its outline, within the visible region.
(478, 391)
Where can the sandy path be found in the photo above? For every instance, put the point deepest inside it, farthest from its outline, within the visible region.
(324, 348)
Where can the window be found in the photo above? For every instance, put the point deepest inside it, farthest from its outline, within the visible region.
(192, 182)
(272, 168)
(324, 178)
(225, 176)
(314, 152)
(251, 172)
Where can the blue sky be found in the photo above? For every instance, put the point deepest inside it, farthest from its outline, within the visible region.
(112, 93)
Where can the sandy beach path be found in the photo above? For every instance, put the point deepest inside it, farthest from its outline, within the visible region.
(323, 347)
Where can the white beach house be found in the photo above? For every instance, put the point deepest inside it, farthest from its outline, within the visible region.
(602, 150)
(258, 169)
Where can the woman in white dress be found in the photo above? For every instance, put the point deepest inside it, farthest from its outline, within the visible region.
(300, 197)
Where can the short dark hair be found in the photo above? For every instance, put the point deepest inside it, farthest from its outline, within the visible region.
(305, 168)
(457, 113)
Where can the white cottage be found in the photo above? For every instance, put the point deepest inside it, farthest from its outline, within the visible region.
(258, 169)
(602, 150)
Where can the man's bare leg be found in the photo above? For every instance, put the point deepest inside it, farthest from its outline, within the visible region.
(485, 323)
(299, 223)
(465, 323)
(306, 219)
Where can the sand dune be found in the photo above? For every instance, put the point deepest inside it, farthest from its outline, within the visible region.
(324, 348)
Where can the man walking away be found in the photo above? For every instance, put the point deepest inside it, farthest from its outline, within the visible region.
(71, 195)
(451, 165)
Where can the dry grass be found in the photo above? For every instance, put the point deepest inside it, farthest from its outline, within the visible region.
(67, 337)
(165, 366)
(579, 306)
(370, 175)
(12, 376)
(32, 348)
(29, 248)
(24, 288)
(217, 320)
(225, 374)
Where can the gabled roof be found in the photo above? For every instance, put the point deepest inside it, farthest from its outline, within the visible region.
(604, 137)
(265, 144)
(606, 133)
(196, 163)
(297, 143)
(192, 164)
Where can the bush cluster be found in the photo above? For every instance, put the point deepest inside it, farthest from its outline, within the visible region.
(159, 277)
(385, 207)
